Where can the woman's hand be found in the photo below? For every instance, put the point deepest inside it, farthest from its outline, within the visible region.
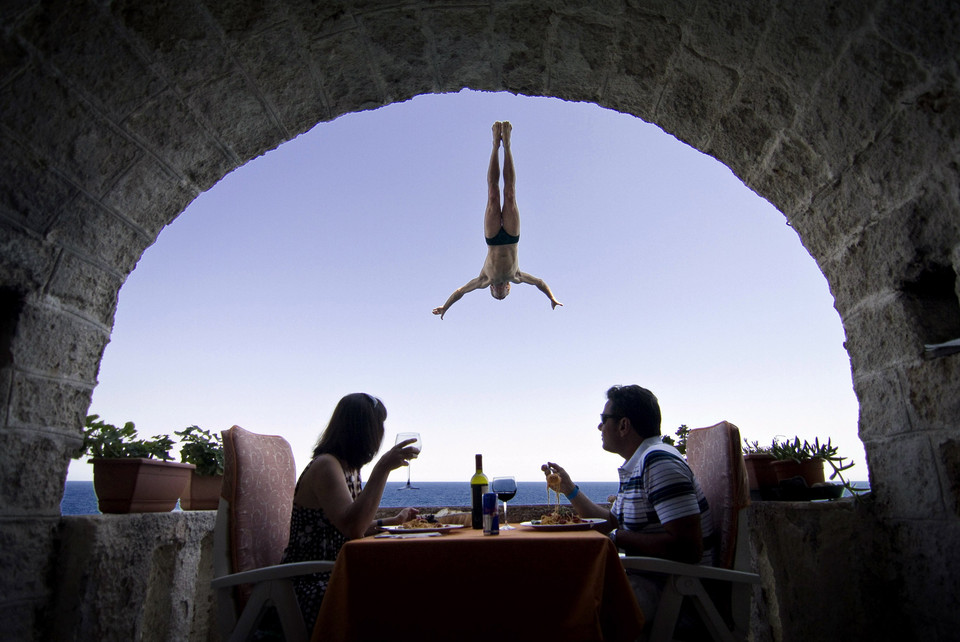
(399, 455)
(406, 515)
(566, 484)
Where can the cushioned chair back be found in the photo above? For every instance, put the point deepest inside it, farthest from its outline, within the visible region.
(715, 457)
(258, 483)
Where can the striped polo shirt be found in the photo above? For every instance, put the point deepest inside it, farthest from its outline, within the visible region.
(656, 487)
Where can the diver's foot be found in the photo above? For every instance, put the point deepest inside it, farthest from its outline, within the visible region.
(497, 133)
(505, 129)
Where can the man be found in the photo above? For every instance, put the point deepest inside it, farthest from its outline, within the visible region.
(501, 229)
(660, 510)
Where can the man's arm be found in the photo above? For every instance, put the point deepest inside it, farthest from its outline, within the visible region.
(523, 277)
(682, 541)
(471, 285)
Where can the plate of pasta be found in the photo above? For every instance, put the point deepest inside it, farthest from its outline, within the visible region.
(563, 523)
(419, 525)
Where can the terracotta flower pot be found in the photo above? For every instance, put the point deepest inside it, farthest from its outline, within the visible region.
(811, 470)
(134, 485)
(202, 492)
(760, 470)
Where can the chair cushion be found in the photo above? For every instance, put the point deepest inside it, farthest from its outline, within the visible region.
(259, 481)
(715, 456)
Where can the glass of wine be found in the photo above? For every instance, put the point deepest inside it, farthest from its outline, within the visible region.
(506, 489)
(418, 444)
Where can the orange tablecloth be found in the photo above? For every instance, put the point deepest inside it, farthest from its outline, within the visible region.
(520, 584)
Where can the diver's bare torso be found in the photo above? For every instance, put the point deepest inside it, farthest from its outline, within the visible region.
(502, 264)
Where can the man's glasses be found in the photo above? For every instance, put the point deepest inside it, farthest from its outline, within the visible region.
(604, 417)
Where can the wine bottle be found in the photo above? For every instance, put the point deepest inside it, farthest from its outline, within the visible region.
(478, 486)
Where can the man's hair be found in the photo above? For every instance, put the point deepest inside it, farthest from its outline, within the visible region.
(498, 288)
(639, 405)
(355, 430)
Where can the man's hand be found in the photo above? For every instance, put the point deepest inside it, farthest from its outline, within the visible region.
(441, 310)
(554, 303)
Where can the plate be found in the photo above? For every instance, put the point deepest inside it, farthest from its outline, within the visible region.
(439, 528)
(586, 524)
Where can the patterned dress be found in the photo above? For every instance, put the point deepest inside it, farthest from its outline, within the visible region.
(314, 537)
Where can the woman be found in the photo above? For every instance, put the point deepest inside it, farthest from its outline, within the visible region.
(329, 505)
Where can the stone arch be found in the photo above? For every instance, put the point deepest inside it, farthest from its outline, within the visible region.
(115, 115)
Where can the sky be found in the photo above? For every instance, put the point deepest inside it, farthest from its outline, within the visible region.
(311, 272)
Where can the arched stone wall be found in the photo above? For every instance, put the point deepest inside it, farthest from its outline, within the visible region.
(845, 115)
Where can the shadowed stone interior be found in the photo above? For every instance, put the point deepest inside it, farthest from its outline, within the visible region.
(115, 115)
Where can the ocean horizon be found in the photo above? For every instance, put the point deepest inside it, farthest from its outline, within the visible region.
(79, 497)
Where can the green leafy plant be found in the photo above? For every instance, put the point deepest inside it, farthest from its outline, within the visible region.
(797, 451)
(681, 442)
(201, 448)
(103, 440)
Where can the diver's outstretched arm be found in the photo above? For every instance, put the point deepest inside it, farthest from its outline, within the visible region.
(523, 277)
(471, 285)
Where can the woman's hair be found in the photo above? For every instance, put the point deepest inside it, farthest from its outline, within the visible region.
(355, 430)
(639, 405)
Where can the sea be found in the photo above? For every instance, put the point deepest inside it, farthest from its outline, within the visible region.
(79, 497)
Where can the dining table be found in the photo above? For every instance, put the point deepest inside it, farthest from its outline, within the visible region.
(524, 583)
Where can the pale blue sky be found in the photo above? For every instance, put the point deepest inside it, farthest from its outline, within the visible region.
(311, 272)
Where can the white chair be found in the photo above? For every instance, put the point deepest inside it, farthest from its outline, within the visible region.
(721, 594)
(252, 530)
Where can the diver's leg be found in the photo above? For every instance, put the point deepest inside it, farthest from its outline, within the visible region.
(491, 218)
(510, 214)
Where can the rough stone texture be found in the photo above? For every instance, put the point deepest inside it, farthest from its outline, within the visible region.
(115, 114)
(820, 576)
(133, 577)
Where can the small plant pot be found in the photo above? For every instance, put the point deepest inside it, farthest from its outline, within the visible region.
(811, 470)
(135, 485)
(760, 472)
(202, 492)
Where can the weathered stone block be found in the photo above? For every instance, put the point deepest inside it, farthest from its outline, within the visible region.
(581, 58)
(463, 53)
(58, 344)
(697, 92)
(99, 235)
(870, 75)
(131, 577)
(645, 47)
(26, 261)
(906, 491)
(400, 52)
(84, 46)
(50, 405)
(87, 289)
(884, 408)
(927, 554)
(345, 73)
(934, 393)
(880, 333)
(32, 469)
(792, 174)
(30, 194)
(521, 35)
(178, 35)
(26, 546)
(174, 134)
(800, 549)
(138, 199)
(728, 31)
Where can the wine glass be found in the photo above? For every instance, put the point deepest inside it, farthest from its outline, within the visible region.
(418, 444)
(506, 489)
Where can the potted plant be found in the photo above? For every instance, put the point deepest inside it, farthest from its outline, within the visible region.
(759, 462)
(132, 475)
(205, 451)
